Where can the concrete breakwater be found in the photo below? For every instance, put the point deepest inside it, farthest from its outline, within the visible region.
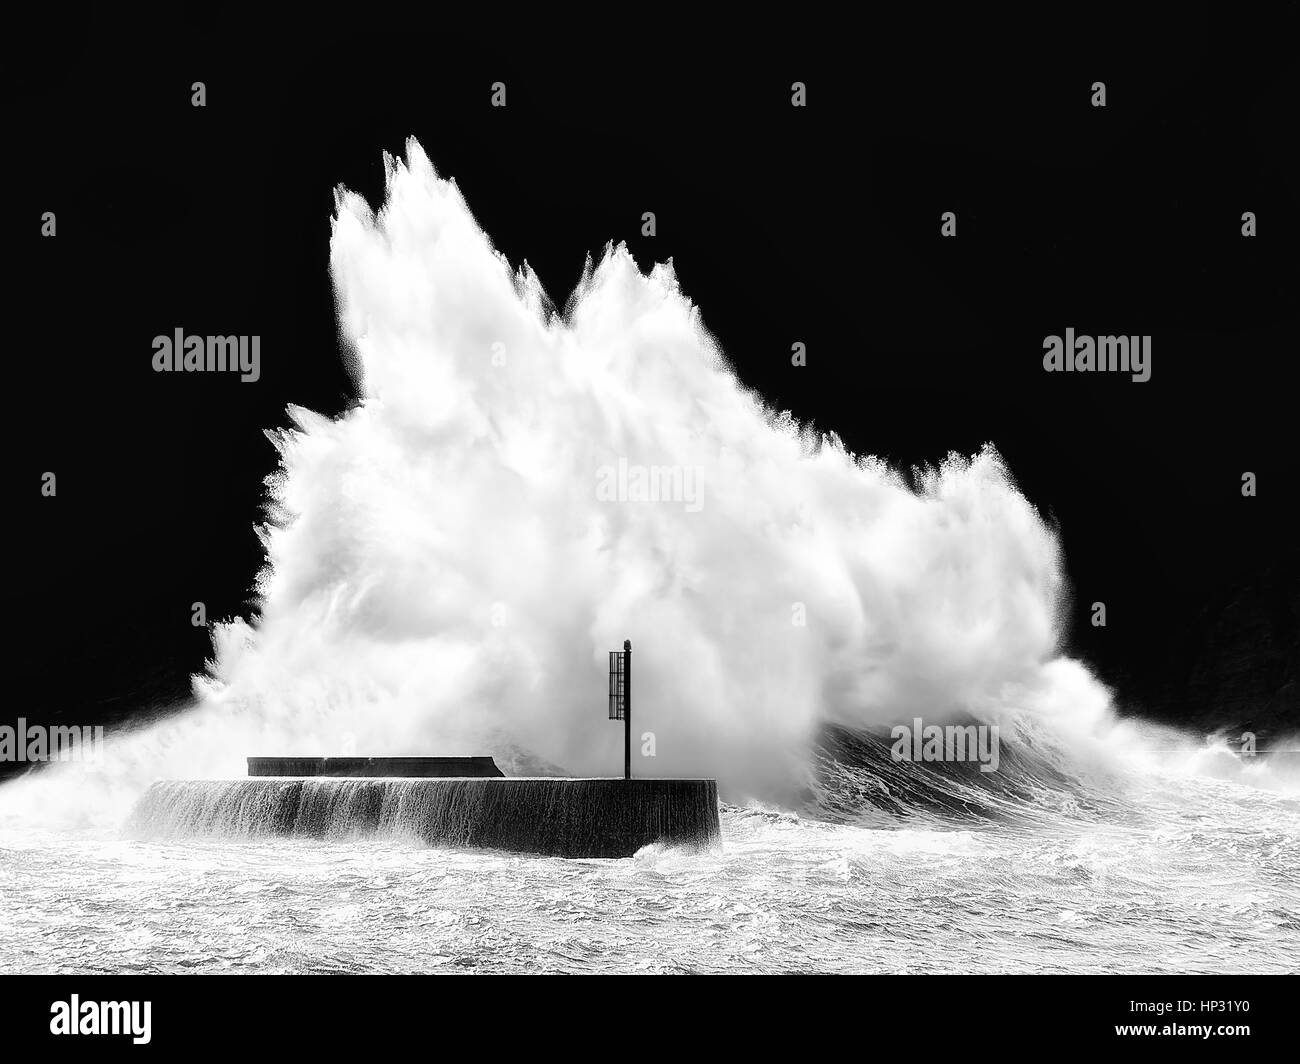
(413, 767)
(555, 817)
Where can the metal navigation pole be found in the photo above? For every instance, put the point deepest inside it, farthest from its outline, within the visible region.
(620, 698)
(627, 709)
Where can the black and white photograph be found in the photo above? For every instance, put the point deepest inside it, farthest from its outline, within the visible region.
(721, 493)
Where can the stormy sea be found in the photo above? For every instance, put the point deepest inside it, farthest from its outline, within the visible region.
(515, 490)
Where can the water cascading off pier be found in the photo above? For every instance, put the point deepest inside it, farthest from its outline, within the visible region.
(554, 817)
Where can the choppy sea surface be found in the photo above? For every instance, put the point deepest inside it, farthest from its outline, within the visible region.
(1190, 875)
